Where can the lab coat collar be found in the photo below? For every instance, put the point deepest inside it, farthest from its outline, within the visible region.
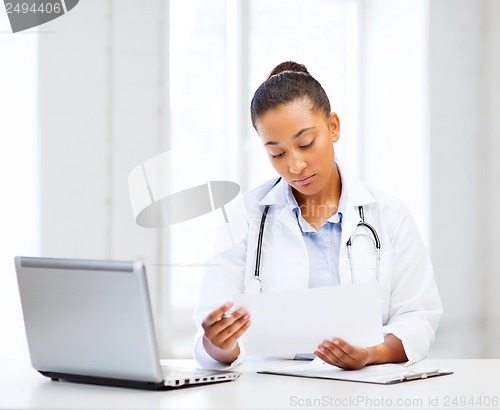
(277, 194)
(353, 189)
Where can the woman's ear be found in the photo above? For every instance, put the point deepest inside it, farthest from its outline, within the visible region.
(334, 125)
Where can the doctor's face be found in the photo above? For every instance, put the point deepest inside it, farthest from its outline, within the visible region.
(299, 143)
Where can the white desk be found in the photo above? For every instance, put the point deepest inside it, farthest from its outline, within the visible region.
(478, 380)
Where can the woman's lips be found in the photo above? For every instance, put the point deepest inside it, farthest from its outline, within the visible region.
(305, 180)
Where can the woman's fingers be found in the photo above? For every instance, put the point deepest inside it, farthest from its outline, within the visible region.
(339, 353)
(232, 334)
(226, 327)
(223, 330)
(216, 315)
(328, 358)
(331, 354)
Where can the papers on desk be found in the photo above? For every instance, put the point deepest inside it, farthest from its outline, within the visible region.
(298, 321)
(380, 374)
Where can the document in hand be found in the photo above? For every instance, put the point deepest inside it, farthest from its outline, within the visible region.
(389, 373)
(298, 321)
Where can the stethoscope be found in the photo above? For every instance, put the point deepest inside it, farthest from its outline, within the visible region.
(362, 223)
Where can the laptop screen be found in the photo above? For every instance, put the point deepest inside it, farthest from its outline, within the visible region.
(88, 317)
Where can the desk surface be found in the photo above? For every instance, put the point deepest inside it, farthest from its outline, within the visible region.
(475, 384)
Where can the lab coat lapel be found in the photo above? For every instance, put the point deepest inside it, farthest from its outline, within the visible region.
(350, 220)
(292, 269)
(355, 194)
(283, 240)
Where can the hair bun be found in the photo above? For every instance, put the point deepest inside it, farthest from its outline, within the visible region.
(288, 66)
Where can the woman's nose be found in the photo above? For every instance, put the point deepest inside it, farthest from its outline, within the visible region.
(296, 163)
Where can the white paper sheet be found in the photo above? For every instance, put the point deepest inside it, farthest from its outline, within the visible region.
(297, 322)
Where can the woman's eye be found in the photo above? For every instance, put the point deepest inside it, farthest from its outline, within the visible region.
(277, 155)
(307, 145)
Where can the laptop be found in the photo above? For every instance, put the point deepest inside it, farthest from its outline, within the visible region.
(90, 321)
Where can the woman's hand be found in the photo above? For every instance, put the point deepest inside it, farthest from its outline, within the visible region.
(223, 331)
(338, 352)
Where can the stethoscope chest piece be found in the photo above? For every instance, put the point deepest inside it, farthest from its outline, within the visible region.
(254, 286)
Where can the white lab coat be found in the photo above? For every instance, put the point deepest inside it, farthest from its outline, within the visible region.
(411, 307)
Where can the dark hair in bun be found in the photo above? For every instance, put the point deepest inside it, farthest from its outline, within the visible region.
(288, 66)
(288, 82)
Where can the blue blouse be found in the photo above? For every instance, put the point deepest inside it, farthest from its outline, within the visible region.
(323, 245)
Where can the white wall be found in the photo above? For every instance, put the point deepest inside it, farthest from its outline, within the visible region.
(490, 184)
(464, 41)
(103, 76)
(19, 185)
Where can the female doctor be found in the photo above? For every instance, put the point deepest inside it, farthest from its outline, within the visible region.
(321, 227)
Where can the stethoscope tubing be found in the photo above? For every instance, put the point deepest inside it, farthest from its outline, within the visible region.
(349, 244)
(377, 245)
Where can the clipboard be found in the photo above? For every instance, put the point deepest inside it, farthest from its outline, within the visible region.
(389, 373)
